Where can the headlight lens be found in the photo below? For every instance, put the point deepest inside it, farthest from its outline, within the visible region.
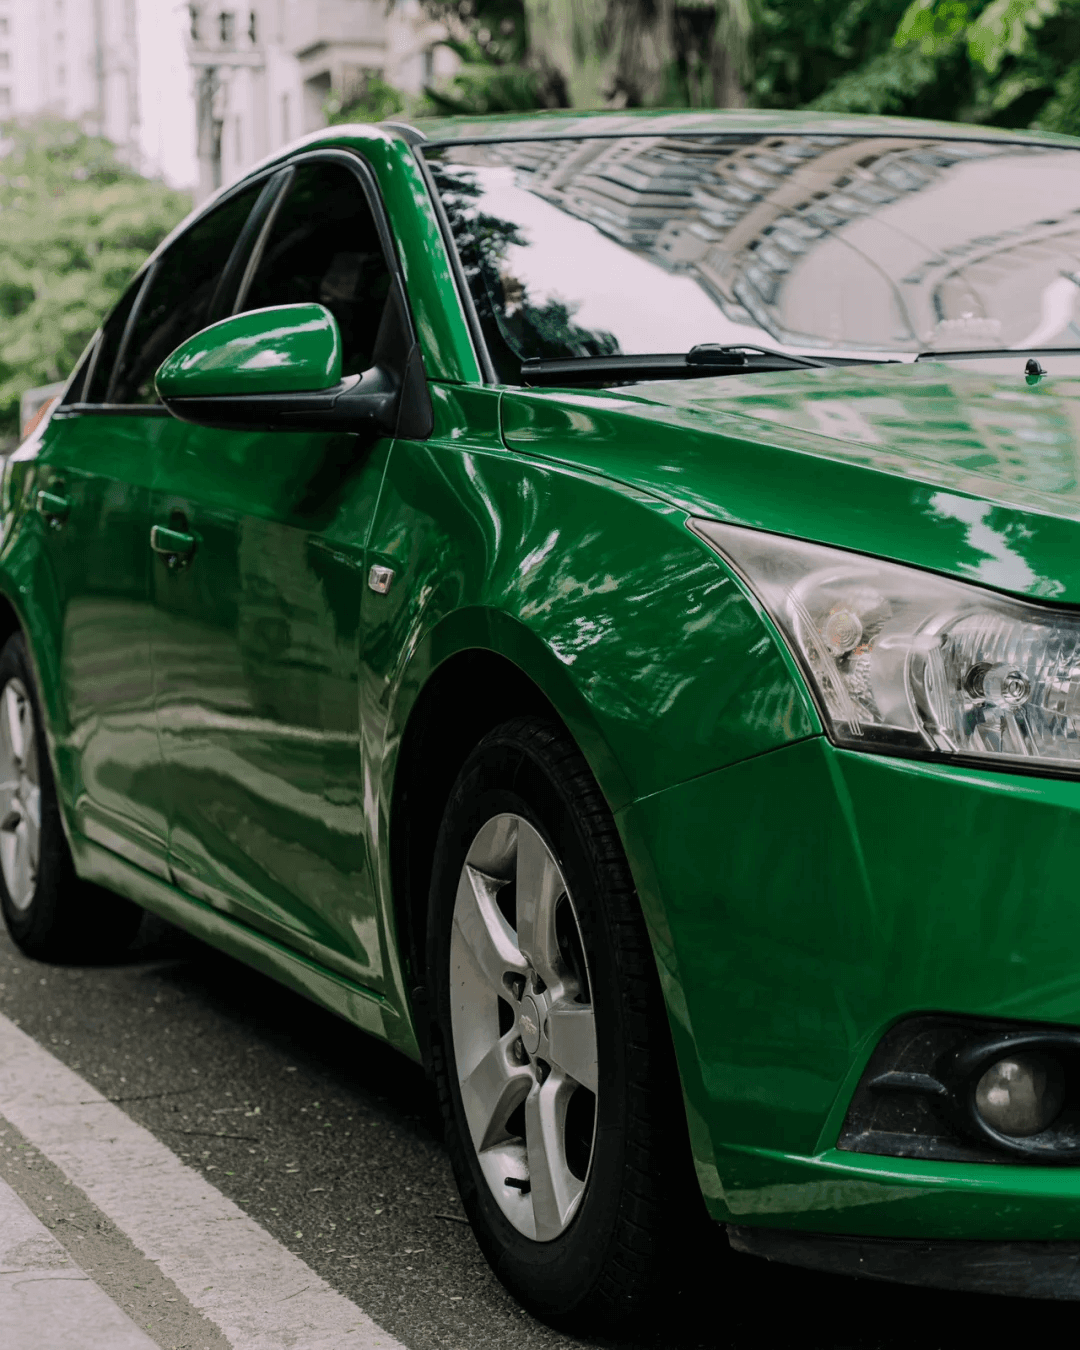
(902, 659)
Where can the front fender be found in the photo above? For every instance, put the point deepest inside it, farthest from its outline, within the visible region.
(633, 629)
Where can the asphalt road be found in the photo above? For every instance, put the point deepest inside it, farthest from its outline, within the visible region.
(325, 1137)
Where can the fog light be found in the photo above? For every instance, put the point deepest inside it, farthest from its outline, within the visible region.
(1020, 1095)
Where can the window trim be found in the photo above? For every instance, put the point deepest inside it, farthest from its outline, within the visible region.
(254, 257)
(247, 241)
(129, 328)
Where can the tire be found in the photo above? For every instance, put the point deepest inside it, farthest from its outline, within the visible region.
(559, 1095)
(50, 914)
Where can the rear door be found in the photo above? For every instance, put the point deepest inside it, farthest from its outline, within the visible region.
(256, 652)
(93, 511)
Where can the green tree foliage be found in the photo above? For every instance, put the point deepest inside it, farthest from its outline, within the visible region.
(643, 53)
(521, 54)
(374, 101)
(801, 47)
(496, 74)
(75, 224)
(1012, 63)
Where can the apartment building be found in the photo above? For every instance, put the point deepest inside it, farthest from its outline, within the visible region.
(264, 70)
(73, 58)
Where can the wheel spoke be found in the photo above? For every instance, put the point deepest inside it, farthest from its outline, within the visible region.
(539, 886)
(32, 817)
(495, 1088)
(9, 804)
(483, 931)
(13, 722)
(21, 881)
(29, 745)
(571, 1042)
(554, 1188)
(492, 851)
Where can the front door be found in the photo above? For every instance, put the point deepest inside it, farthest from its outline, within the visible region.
(256, 656)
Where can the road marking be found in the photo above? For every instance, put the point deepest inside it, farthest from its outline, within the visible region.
(97, 1246)
(45, 1298)
(259, 1294)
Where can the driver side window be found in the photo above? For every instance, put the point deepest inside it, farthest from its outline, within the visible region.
(169, 302)
(324, 246)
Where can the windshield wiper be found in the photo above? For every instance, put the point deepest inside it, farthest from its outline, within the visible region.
(703, 360)
(948, 355)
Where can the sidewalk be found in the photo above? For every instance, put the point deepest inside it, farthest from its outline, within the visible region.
(46, 1301)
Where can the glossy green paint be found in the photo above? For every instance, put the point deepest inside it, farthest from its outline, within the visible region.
(968, 472)
(85, 586)
(441, 328)
(227, 732)
(638, 635)
(255, 663)
(363, 1007)
(283, 350)
(862, 889)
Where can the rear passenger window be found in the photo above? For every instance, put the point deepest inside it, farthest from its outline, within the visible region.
(324, 247)
(178, 301)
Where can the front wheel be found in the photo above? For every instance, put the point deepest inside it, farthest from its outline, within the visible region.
(552, 1053)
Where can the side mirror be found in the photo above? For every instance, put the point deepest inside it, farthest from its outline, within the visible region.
(274, 369)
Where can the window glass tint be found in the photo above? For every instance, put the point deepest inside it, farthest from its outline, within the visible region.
(819, 243)
(178, 301)
(109, 345)
(324, 247)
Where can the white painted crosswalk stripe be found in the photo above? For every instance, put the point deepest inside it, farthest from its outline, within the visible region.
(46, 1299)
(260, 1294)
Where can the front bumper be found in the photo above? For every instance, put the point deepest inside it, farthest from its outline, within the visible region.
(804, 901)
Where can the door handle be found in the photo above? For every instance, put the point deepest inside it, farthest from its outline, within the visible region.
(175, 546)
(53, 507)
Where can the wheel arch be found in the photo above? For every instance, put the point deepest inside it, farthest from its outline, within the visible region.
(482, 668)
(10, 620)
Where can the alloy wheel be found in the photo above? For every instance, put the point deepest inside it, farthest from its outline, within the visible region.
(523, 1027)
(20, 795)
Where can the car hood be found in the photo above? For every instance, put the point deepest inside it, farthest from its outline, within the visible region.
(967, 472)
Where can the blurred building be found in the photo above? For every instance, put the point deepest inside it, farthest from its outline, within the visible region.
(73, 58)
(201, 89)
(263, 71)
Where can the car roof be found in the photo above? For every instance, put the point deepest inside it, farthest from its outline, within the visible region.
(560, 123)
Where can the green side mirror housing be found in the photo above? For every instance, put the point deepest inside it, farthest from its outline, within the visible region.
(288, 349)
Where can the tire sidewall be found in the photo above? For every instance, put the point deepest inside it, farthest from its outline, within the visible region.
(551, 1277)
(29, 925)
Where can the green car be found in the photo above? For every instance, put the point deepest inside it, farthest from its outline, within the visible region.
(594, 600)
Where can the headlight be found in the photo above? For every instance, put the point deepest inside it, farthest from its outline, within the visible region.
(900, 659)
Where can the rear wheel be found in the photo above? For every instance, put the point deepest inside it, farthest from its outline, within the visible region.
(50, 914)
(552, 1053)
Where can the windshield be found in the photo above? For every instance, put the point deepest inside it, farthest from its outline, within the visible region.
(874, 246)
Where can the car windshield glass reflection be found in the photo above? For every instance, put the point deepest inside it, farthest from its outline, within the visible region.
(819, 244)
